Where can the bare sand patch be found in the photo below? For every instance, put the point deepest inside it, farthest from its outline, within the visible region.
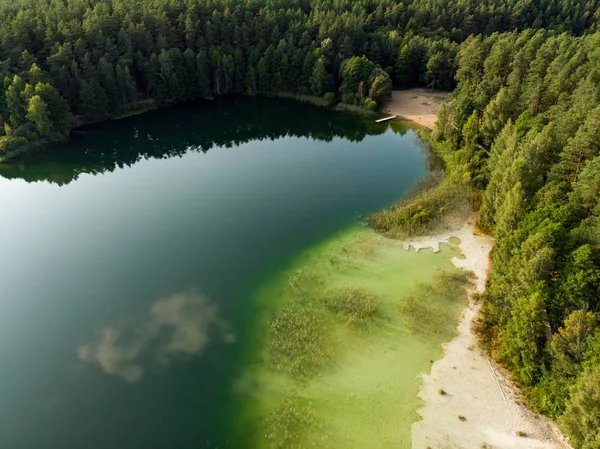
(417, 105)
(467, 405)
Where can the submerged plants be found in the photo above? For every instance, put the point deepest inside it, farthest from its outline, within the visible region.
(355, 304)
(299, 340)
(301, 280)
(289, 422)
(425, 308)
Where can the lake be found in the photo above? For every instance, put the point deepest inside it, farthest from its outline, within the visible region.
(132, 255)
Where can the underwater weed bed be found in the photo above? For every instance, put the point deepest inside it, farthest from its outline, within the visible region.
(349, 328)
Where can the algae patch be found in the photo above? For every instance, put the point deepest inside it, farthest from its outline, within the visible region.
(343, 337)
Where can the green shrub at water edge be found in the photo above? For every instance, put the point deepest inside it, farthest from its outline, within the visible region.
(9, 144)
(438, 202)
(355, 304)
(298, 341)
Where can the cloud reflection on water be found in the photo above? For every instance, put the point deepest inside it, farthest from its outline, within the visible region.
(175, 328)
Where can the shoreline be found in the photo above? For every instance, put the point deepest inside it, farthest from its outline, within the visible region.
(417, 105)
(149, 105)
(465, 383)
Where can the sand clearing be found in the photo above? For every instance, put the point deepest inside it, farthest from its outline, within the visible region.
(465, 375)
(417, 105)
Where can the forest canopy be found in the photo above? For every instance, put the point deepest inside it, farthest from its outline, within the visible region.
(70, 61)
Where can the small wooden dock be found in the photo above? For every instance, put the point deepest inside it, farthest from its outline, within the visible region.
(385, 119)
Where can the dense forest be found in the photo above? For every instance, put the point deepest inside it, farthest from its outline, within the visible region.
(522, 134)
(64, 62)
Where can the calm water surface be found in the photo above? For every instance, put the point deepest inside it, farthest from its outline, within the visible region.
(130, 255)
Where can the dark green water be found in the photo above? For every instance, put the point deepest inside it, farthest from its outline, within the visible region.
(129, 257)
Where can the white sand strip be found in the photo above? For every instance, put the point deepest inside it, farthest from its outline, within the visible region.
(492, 415)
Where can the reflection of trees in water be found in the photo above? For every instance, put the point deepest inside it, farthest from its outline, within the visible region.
(199, 126)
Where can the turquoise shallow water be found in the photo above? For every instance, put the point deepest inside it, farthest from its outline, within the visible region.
(130, 257)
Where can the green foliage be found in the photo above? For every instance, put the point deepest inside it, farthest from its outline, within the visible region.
(329, 97)
(58, 111)
(470, 131)
(93, 101)
(436, 203)
(319, 78)
(369, 104)
(9, 144)
(524, 338)
(586, 191)
(381, 86)
(581, 420)
(356, 73)
(37, 112)
(16, 101)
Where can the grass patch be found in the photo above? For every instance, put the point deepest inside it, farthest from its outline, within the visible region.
(354, 109)
(134, 112)
(311, 99)
(437, 203)
(299, 341)
(354, 304)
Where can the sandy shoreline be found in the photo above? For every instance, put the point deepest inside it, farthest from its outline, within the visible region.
(417, 105)
(492, 414)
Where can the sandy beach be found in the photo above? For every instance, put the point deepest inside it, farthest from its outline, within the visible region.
(417, 105)
(469, 403)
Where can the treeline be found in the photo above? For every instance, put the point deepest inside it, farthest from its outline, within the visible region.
(161, 134)
(103, 57)
(523, 130)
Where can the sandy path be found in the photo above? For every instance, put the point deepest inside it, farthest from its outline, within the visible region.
(417, 105)
(465, 375)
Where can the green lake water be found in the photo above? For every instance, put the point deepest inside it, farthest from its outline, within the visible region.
(135, 261)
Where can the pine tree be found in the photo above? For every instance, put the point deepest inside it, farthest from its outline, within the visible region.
(318, 79)
(37, 112)
(93, 102)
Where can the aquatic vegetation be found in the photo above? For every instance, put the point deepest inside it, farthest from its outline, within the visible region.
(288, 423)
(436, 203)
(325, 382)
(298, 341)
(301, 280)
(447, 287)
(355, 304)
